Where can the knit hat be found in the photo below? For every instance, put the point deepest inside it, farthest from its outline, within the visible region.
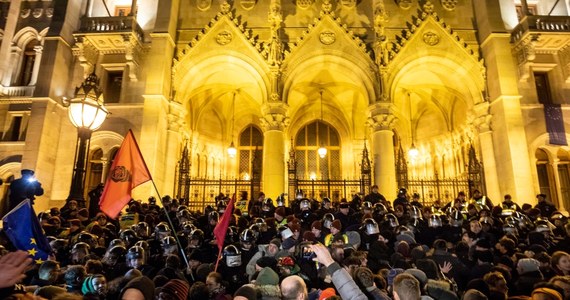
(88, 285)
(393, 273)
(248, 291)
(317, 225)
(325, 294)
(418, 274)
(337, 224)
(506, 260)
(309, 236)
(527, 265)
(176, 288)
(276, 242)
(280, 211)
(406, 238)
(288, 243)
(550, 293)
(266, 261)
(267, 277)
(143, 284)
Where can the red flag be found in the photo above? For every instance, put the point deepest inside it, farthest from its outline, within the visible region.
(222, 227)
(127, 172)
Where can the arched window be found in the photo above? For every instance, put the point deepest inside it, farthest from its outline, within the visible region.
(307, 142)
(564, 177)
(250, 152)
(544, 172)
(27, 65)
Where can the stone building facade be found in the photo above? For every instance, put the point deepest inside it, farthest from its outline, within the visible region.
(276, 77)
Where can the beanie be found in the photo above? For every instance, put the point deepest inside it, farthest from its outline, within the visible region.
(266, 261)
(88, 286)
(143, 284)
(248, 291)
(393, 273)
(276, 242)
(176, 288)
(267, 277)
(309, 236)
(337, 224)
(527, 265)
(317, 225)
(280, 211)
(325, 294)
(418, 274)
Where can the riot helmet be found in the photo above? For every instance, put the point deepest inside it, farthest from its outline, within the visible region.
(142, 229)
(232, 256)
(136, 257)
(391, 220)
(370, 226)
(328, 218)
(434, 221)
(196, 238)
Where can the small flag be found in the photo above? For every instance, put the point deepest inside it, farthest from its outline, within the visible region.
(555, 124)
(25, 232)
(222, 226)
(127, 172)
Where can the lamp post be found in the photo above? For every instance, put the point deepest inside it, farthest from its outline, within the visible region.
(86, 112)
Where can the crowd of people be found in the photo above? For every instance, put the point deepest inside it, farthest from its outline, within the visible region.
(359, 248)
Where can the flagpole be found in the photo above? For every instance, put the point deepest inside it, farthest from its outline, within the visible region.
(182, 250)
(218, 260)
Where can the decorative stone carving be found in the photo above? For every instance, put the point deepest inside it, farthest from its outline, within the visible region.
(564, 55)
(327, 6)
(247, 4)
(204, 5)
(37, 12)
(526, 53)
(274, 47)
(305, 4)
(49, 12)
(87, 54)
(431, 38)
(133, 54)
(274, 117)
(404, 4)
(449, 4)
(327, 37)
(224, 37)
(225, 7)
(25, 12)
(348, 3)
(381, 122)
(428, 7)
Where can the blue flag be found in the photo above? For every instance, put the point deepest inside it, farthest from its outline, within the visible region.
(24, 231)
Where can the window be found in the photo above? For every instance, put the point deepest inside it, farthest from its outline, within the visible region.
(95, 170)
(531, 10)
(27, 66)
(564, 175)
(250, 151)
(542, 170)
(121, 11)
(113, 86)
(542, 88)
(16, 130)
(307, 142)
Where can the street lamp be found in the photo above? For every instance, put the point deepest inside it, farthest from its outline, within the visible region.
(86, 112)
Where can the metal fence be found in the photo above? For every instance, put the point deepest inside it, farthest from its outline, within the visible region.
(203, 191)
(432, 190)
(334, 189)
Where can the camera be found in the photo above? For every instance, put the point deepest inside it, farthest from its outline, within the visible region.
(307, 252)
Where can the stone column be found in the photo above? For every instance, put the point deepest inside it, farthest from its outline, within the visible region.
(382, 150)
(560, 203)
(483, 125)
(5, 48)
(274, 122)
(37, 62)
(173, 146)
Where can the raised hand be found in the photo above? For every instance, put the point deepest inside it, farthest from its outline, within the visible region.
(12, 268)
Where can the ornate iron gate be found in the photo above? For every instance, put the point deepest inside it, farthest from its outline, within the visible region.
(441, 190)
(331, 188)
(197, 193)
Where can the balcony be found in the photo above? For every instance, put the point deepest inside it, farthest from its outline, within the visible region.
(17, 91)
(111, 25)
(539, 25)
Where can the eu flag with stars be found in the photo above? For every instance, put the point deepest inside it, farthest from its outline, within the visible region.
(24, 231)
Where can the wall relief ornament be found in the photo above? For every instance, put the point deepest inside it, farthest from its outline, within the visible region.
(304, 4)
(449, 4)
(404, 4)
(49, 12)
(248, 4)
(204, 5)
(348, 3)
(24, 13)
(431, 38)
(37, 12)
(327, 37)
(224, 37)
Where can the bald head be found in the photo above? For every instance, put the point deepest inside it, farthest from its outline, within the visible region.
(294, 288)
